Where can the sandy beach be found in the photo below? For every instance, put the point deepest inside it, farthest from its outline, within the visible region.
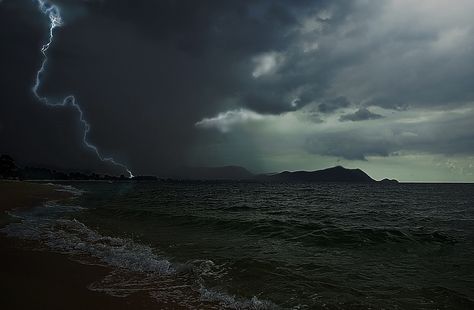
(42, 280)
(16, 194)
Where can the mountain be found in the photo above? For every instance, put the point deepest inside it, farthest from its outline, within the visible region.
(214, 173)
(8, 169)
(334, 174)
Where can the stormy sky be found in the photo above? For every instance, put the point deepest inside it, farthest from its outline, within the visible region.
(382, 85)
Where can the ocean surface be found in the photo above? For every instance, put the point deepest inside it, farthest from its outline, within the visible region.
(268, 246)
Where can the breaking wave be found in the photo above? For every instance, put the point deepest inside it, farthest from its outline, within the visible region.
(135, 267)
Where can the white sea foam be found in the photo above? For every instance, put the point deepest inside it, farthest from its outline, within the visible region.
(70, 236)
(137, 267)
(68, 189)
(233, 302)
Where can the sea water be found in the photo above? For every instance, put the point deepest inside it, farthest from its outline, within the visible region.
(247, 245)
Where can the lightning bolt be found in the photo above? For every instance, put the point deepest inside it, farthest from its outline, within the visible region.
(54, 14)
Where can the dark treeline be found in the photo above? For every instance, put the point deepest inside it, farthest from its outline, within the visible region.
(9, 170)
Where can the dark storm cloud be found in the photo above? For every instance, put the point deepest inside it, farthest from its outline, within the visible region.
(350, 146)
(31, 133)
(174, 62)
(440, 134)
(146, 72)
(396, 55)
(143, 71)
(361, 114)
(376, 53)
(229, 39)
(418, 57)
(333, 104)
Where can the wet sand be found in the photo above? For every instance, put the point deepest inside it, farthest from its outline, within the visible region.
(33, 279)
(16, 194)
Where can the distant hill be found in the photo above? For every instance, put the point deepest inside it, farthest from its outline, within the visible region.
(214, 173)
(334, 174)
(9, 170)
(388, 181)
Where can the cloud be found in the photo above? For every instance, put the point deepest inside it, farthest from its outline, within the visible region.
(373, 53)
(136, 66)
(415, 132)
(225, 121)
(405, 132)
(333, 104)
(399, 58)
(266, 64)
(361, 114)
(284, 72)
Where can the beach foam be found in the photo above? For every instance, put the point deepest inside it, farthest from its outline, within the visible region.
(70, 236)
(68, 189)
(136, 267)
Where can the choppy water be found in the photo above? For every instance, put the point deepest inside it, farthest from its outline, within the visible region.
(264, 246)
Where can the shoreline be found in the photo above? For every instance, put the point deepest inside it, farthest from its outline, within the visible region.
(33, 279)
(24, 195)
